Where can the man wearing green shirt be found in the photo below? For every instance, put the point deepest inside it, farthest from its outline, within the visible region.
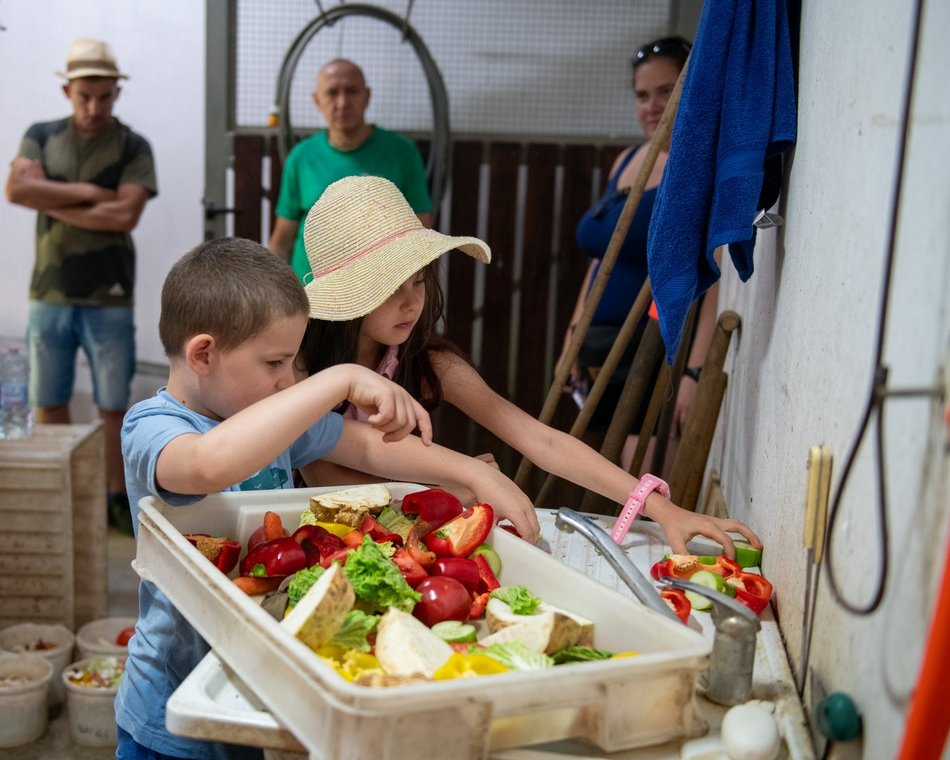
(347, 147)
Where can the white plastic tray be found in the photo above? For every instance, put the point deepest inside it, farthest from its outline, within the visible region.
(614, 705)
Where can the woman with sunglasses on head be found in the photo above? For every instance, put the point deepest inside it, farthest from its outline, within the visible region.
(375, 300)
(656, 67)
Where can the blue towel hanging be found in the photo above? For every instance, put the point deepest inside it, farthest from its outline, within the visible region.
(736, 118)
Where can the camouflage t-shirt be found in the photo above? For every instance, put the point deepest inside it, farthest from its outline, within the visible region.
(86, 267)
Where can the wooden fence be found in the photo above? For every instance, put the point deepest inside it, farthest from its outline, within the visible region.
(529, 197)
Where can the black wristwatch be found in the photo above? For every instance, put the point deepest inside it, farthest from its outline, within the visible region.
(693, 372)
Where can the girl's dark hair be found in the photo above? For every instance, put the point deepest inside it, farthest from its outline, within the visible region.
(675, 48)
(326, 344)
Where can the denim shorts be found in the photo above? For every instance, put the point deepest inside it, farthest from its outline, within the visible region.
(129, 749)
(107, 337)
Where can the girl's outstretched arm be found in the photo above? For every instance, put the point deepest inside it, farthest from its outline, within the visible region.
(567, 457)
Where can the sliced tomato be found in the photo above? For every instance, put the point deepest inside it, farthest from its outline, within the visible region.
(412, 571)
(462, 535)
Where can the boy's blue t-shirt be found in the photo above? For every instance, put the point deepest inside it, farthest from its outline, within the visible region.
(165, 648)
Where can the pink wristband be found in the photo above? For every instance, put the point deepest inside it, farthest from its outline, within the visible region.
(635, 502)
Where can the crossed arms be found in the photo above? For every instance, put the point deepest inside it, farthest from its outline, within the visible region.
(80, 204)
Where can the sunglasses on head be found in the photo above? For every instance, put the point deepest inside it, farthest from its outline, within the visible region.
(668, 46)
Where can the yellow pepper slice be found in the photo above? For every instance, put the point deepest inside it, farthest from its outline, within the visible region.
(337, 529)
(467, 666)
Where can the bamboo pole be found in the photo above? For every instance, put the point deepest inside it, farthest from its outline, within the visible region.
(660, 139)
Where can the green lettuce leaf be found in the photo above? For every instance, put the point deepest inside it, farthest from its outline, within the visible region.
(377, 582)
(301, 582)
(580, 654)
(516, 655)
(354, 630)
(521, 601)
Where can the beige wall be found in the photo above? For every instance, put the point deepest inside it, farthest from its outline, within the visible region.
(801, 367)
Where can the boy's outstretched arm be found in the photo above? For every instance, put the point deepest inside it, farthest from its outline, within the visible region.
(254, 436)
(362, 448)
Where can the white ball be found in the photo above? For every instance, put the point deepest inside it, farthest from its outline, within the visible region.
(749, 732)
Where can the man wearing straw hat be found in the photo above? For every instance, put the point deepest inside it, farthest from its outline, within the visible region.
(89, 177)
(347, 147)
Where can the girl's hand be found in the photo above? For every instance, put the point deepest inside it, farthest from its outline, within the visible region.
(388, 406)
(509, 502)
(680, 525)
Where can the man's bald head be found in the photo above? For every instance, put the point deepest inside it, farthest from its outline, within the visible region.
(342, 96)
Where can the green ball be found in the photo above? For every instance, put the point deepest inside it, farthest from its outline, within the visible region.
(837, 717)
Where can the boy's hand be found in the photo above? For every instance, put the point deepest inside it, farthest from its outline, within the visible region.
(388, 406)
(680, 525)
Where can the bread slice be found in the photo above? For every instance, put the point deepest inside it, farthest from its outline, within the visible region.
(349, 506)
(320, 612)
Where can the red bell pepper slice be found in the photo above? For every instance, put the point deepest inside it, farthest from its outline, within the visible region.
(684, 565)
(415, 546)
(678, 602)
(486, 576)
(479, 603)
(223, 552)
(280, 556)
(462, 535)
(433, 506)
(754, 592)
(353, 539)
(412, 571)
(317, 542)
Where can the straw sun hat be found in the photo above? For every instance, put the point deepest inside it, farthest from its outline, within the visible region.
(90, 58)
(363, 241)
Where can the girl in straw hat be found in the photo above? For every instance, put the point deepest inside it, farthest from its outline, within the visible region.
(375, 300)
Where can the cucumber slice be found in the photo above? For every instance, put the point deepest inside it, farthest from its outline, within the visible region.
(700, 603)
(746, 556)
(708, 579)
(454, 632)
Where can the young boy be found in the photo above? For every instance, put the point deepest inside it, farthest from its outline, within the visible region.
(232, 319)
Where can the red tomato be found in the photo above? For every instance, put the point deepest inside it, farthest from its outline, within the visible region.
(124, 635)
(443, 598)
(465, 571)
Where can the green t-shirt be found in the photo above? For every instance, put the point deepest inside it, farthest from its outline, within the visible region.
(86, 267)
(314, 164)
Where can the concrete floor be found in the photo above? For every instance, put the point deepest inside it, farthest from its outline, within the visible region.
(123, 601)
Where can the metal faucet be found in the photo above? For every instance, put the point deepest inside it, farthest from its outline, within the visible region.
(568, 520)
(729, 678)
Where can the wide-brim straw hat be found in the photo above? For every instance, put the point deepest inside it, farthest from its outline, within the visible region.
(363, 241)
(90, 58)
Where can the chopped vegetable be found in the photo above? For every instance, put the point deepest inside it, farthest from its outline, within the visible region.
(405, 646)
(353, 631)
(468, 665)
(433, 506)
(580, 654)
(516, 655)
(491, 557)
(99, 673)
(223, 552)
(301, 583)
(394, 522)
(678, 602)
(319, 614)
(377, 581)
(278, 557)
(521, 601)
(461, 535)
(454, 631)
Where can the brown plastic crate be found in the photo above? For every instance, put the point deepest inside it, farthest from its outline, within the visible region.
(53, 561)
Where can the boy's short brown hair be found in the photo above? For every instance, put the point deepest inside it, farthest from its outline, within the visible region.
(230, 288)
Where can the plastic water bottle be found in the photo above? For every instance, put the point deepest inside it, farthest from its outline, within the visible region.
(14, 400)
